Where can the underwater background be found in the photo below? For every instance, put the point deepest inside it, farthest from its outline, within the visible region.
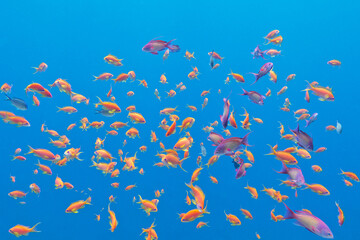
(73, 37)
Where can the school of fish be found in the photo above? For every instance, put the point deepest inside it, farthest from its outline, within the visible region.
(176, 124)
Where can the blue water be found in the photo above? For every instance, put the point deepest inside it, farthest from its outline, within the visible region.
(73, 37)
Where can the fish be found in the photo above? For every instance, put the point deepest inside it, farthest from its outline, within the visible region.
(303, 139)
(17, 102)
(240, 169)
(295, 175)
(338, 127)
(230, 145)
(312, 119)
(225, 116)
(203, 150)
(310, 222)
(255, 97)
(265, 69)
(258, 53)
(215, 138)
(212, 60)
(155, 46)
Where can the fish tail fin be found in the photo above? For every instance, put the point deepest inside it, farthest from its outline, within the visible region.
(284, 169)
(88, 201)
(169, 42)
(96, 78)
(33, 228)
(140, 199)
(31, 150)
(204, 210)
(180, 165)
(289, 214)
(245, 140)
(307, 123)
(272, 150)
(37, 69)
(245, 92)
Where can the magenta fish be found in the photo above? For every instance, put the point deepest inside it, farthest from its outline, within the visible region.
(215, 138)
(295, 175)
(155, 46)
(310, 222)
(230, 145)
(225, 116)
(258, 53)
(303, 139)
(255, 97)
(239, 167)
(265, 69)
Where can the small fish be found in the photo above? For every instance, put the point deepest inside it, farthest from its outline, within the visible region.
(295, 175)
(225, 116)
(17, 102)
(203, 150)
(265, 69)
(215, 138)
(155, 46)
(258, 53)
(312, 119)
(303, 139)
(230, 145)
(338, 127)
(255, 97)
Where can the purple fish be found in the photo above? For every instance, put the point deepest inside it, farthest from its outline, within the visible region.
(255, 97)
(258, 53)
(230, 145)
(215, 138)
(225, 116)
(240, 170)
(295, 174)
(154, 46)
(302, 139)
(312, 119)
(310, 222)
(263, 71)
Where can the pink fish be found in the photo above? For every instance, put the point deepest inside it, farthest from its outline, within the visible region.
(215, 138)
(230, 145)
(295, 174)
(310, 222)
(258, 53)
(225, 116)
(255, 97)
(239, 167)
(265, 69)
(155, 46)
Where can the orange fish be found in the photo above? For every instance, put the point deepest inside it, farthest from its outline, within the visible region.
(74, 207)
(202, 224)
(42, 68)
(68, 109)
(113, 221)
(148, 206)
(341, 217)
(350, 175)
(192, 215)
(234, 220)
(20, 230)
(111, 59)
(17, 194)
